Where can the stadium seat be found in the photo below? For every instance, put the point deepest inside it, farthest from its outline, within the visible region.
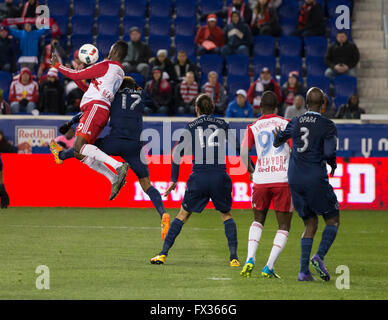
(78, 40)
(59, 7)
(82, 25)
(264, 46)
(344, 85)
(235, 83)
(63, 22)
(260, 62)
(138, 77)
(5, 83)
(129, 22)
(185, 8)
(160, 8)
(288, 10)
(315, 46)
(109, 8)
(186, 44)
(229, 2)
(84, 8)
(159, 42)
(159, 26)
(288, 64)
(108, 25)
(185, 26)
(315, 66)
(288, 27)
(290, 46)
(213, 6)
(333, 4)
(211, 62)
(338, 101)
(321, 82)
(104, 43)
(135, 8)
(237, 64)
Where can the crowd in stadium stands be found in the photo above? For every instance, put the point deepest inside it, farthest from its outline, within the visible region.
(232, 50)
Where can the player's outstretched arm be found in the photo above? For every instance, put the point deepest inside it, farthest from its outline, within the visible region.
(170, 188)
(65, 127)
(280, 136)
(95, 71)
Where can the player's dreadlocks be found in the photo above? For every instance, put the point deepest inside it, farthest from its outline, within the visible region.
(130, 83)
(205, 104)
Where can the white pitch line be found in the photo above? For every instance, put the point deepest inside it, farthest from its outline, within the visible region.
(221, 279)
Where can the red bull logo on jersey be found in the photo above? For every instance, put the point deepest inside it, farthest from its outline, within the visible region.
(35, 136)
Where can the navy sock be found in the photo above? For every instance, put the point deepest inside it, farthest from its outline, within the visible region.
(231, 235)
(306, 245)
(173, 232)
(328, 236)
(66, 154)
(156, 199)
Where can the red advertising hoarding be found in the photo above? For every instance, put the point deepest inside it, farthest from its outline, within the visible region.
(37, 181)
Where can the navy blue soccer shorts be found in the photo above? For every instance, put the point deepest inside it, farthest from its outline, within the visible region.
(129, 150)
(314, 199)
(205, 185)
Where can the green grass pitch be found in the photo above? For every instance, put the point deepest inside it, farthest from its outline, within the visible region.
(104, 254)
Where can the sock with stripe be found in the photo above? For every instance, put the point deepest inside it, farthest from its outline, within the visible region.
(306, 244)
(156, 199)
(173, 232)
(100, 168)
(93, 152)
(66, 154)
(328, 236)
(231, 235)
(279, 242)
(253, 239)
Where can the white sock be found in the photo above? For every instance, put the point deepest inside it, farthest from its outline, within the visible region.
(100, 168)
(279, 242)
(93, 152)
(253, 239)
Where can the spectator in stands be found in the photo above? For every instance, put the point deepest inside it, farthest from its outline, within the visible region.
(275, 3)
(297, 109)
(8, 10)
(238, 37)
(46, 55)
(185, 94)
(8, 51)
(184, 65)
(216, 91)
(159, 89)
(66, 141)
(291, 88)
(263, 83)
(29, 9)
(350, 110)
(240, 107)
(310, 20)
(165, 65)
(341, 57)
(51, 94)
(4, 106)
(241, 7)
(265, 20)
(210, 38)
(5, 146)
(138, 55)
(24, 92)
(29, 44)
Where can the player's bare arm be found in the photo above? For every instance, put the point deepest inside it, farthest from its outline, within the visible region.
(170, 188)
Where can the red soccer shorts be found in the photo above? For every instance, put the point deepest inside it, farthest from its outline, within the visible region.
(279, 195)
(94, 118)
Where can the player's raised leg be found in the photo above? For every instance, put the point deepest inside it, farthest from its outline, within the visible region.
(173, 232)
(311, 225)
(156, 200)
(254, 237)
(328, 237)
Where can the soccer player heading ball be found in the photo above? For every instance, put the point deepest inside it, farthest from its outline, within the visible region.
(314, 144)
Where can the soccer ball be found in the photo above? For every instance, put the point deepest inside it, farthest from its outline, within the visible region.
(88, 54)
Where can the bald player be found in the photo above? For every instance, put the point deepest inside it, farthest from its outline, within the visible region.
(314, 145)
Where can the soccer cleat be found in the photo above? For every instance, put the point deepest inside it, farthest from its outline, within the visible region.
(165, 225)
(159, 259)
(120, 182)
(248, 267)
(55, 148)
(269, 273)
(320, 267)
(234, 263)
(305, 277)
